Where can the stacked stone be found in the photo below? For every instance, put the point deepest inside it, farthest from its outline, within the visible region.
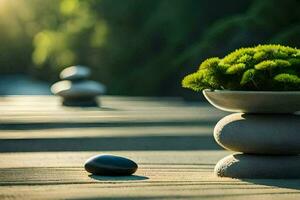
(269, 146)
(76, 89)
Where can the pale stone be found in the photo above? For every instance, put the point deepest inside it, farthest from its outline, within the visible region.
(77, 72)
(259, 166)
(259, 134)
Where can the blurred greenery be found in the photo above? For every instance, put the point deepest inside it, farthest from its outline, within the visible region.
(137, 47)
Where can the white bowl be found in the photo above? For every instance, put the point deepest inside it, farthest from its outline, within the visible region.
(254, 101)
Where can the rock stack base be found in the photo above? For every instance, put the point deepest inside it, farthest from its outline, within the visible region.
(269, 146)
(259, 166)
(75, 88)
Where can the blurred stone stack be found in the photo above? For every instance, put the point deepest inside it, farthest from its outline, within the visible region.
(76, 89)
(270, 145)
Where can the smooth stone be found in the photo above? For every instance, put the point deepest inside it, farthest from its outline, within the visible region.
(79, 89)
(259, 167)
(77, 72)
(110, 165)
(259, 134)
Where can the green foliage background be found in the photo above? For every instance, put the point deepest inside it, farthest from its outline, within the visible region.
(137, 47)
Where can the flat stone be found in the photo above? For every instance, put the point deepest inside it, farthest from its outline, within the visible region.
(77, 90)
(77, 72)
(259, 134)
(259, 166)
(110, 165)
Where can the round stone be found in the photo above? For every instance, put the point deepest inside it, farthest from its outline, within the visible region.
(259, 166)
(259, 134)
(110, 165)
(77, 72)
(77, 90)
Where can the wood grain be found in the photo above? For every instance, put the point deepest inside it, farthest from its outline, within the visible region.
(44, 145)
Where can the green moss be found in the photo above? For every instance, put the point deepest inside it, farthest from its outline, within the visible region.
(264, 67)
(287, 81)
(287, 78)
(272, 64)
(209, 63)
(248, 76)
(236, 68)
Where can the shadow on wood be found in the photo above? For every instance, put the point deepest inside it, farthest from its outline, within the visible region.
(137, 143)
(118, 178)
(53, 125)
(277, 183)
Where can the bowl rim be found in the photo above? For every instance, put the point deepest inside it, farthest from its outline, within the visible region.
(249, 92)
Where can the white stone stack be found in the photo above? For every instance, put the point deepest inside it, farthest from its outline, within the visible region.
(269, 145)
(76, 89)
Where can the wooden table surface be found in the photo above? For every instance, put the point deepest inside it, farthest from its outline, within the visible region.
(43, 146)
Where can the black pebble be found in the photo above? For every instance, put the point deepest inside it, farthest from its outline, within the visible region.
(109, 165)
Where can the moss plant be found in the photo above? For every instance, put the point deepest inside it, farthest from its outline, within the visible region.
(260, 68)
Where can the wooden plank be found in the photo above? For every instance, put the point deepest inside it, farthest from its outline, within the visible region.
(94, 132)
(44, 115)
(183, 175)
(137, 143)
(78, 129)
(50, 105)
(43, 147)
(109, 138)
(153, 191)
(120, 102)
(76, 159)
(40, 112)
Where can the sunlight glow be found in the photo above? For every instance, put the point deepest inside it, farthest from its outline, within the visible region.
(4, 3)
